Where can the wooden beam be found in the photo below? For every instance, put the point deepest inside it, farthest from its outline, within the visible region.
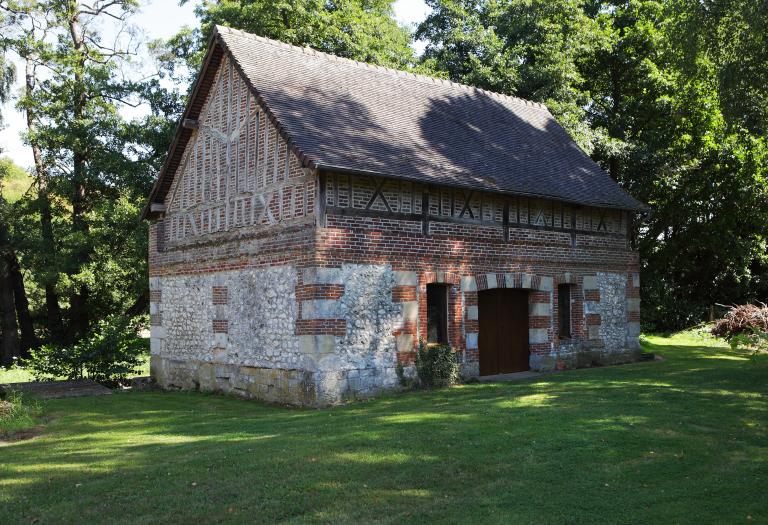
(157, 207)
(426, 219)
(320, 200)
(190, 123)
(505, 219)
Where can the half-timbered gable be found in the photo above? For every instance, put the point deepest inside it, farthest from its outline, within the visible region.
(237, 171)
(317, 219)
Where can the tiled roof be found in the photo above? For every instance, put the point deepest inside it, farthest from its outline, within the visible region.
(343, 115)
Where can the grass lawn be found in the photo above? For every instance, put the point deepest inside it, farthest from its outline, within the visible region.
(678, 441)
(22, 375)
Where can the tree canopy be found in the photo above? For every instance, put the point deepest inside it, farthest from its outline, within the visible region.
(671, 98)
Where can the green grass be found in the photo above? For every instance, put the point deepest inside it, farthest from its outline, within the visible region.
(678, 441)
(17, 413)
(15, 375)
(14, 180)
(22, 375)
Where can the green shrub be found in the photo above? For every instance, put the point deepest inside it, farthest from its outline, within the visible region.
(755, 340)
(437, 365)
(17, 412)
(400, 371)
(110, 354)
(745, 326)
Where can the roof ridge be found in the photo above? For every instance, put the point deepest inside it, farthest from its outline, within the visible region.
(392, 71)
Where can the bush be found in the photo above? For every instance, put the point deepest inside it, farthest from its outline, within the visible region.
(742, 319)
(744, 325)
(17, 413)
(437, 365)
(112, 352)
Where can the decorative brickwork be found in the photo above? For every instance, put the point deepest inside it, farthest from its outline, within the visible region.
(220, 326)
(220, 295)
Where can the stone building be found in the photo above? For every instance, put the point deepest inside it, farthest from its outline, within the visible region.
(317, 217)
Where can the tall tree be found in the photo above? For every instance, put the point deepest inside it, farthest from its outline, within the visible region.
(19, 333)
(668, 96)
(9, 332)
(362, 30)
(82, 238)
(533, 49)
(7, 72)
(32, 26)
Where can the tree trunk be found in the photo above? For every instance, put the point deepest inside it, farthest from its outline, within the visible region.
(140, 305)
(26, 327)
(9, 345)
(79, 302)
(54, 321)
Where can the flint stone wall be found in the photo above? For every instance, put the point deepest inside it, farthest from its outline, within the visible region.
(614, 340)
(250, 346)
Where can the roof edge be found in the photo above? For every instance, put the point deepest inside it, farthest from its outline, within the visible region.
(217, 43)
(194, 92)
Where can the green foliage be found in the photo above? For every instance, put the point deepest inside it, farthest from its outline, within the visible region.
(109, 355)
(400, 371)
(14, 181)
(77, 233)
(362, 30)
(754, 339)
(17, 412)
(669, 97)
(7, 72)
(436, 365)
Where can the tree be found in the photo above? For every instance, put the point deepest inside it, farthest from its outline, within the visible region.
(363, 30)
(82, 239)
(7, 73)
(531, 49)
(9, 333)
(668, 97)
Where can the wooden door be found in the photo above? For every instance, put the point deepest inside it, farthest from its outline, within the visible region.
(503, 331)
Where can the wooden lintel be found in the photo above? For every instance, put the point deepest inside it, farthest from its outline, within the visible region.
(505, 219)
(320, 204)
(157, 207)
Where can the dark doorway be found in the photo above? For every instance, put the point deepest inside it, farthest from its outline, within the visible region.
(437, 313)
(503, 331)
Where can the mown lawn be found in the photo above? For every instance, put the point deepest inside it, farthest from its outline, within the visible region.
(678, 441)
(23, 375)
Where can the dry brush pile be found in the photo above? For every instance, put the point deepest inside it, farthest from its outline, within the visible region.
(745, 319)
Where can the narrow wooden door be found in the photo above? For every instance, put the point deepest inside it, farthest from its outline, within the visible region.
(503, 331)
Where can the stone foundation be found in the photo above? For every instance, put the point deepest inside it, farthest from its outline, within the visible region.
(273, 385)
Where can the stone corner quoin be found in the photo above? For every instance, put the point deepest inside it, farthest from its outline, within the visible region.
(307, 287)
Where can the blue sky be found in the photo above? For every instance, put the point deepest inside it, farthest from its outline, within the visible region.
(157, 19)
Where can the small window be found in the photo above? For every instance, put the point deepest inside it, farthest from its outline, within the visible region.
(437, 313)
(564, 310)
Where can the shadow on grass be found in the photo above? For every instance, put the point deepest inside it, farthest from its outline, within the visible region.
(658, 438)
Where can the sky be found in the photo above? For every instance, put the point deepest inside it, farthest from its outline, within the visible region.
(157, 19)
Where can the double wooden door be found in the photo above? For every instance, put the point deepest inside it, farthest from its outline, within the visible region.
(503, 331)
